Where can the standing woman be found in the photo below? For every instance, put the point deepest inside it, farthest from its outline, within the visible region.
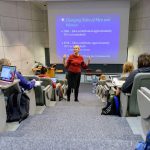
(74, 64)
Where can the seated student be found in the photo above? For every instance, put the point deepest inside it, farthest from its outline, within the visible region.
(57, 85)
(38, 68)
(143, 67)
(59, 89)
(113, 98)
(25, 84)
(102, 77)
(126, 70)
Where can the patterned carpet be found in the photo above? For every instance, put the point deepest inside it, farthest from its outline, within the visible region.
(72, 126)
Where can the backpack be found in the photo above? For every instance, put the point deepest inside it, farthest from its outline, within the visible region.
(17, 107)
(144, 145)
(112, 107)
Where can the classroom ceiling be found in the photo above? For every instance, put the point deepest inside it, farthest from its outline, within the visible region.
(42, 4)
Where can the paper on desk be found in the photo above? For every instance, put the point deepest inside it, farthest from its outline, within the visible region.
(38, 83)
(117, 82)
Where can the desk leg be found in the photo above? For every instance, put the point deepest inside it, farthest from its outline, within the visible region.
(84, 77)
(85, 80)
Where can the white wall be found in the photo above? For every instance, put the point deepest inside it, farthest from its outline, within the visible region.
(139, 29)
(23, 34)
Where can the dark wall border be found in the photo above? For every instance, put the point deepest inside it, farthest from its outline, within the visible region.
(106, 68)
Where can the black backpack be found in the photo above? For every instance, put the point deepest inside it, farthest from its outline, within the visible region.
(112, 107)
(17, 107)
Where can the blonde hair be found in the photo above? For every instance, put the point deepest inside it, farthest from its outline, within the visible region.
(76, 46)
(102, 77)
(4, 61)
(128, 67)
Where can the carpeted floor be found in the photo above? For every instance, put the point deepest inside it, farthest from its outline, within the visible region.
(72, 126)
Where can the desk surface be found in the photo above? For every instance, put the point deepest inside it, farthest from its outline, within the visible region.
(7, 84)
(118, 83)
(59, 71)
(110, 84)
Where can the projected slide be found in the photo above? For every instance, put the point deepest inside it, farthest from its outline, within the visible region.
(97, 35)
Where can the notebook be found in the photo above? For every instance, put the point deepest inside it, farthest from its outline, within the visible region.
(7, 74)
(117, 82)
(38, 83)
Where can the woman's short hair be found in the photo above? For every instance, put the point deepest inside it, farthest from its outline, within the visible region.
(128, 67)
(4, 61)
(144, 60)
(102, 77)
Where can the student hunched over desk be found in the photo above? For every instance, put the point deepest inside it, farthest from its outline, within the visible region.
(25, 84)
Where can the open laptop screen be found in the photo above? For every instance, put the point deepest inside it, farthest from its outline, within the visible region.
(8, 73)
(54, 80)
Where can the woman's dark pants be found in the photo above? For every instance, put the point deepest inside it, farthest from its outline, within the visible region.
(73, 83)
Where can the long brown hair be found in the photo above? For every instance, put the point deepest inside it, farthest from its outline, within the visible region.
(128, 67)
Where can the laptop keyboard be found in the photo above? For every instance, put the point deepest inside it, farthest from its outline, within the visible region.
(4, 83)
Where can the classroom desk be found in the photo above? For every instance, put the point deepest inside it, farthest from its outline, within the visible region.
(6, 86)
(118, 84)
(3, 104)
(92, 74)
(59, 71)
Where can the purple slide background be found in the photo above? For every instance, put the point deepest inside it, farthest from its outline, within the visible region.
(97, 35)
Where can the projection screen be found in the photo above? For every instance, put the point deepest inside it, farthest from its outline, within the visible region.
(100, 28)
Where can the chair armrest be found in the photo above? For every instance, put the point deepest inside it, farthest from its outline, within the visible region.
(31, 95)
(127, 94)
(47, 92)
(106, 87)
(146, 91)
(47, 87)
(123, 103)
(144, 104)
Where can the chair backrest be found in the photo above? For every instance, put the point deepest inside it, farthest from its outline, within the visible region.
(46, 81)
(143, 98)
(31, 77)
(140, 80)
(38, 90)
(146, 91)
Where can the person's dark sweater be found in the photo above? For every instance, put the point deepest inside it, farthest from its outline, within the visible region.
(127, 86)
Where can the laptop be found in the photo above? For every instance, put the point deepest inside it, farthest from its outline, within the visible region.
(54, 80)
(7, 74)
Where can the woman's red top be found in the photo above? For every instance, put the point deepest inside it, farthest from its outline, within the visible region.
(74, 63)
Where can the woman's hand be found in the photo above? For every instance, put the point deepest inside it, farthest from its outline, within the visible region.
(64, 57)
(89, 60)
(64, 60)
